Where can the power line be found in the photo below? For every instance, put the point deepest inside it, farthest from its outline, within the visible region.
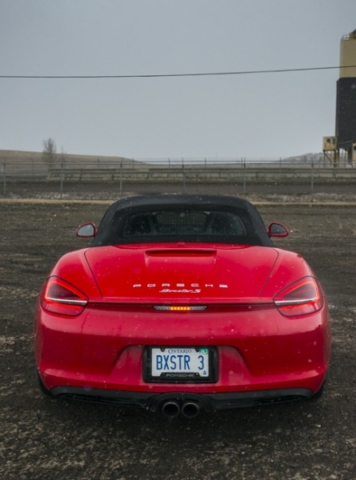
(170, 75)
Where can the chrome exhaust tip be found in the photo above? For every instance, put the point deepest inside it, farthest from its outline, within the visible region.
(190, 410)
(171, 409)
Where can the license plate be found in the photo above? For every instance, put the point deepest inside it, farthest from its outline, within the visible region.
(180, 362)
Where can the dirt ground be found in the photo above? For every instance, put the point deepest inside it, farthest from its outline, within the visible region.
(42, 438)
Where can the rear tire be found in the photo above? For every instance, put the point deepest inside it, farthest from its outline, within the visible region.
(319, 393)
(43, 389)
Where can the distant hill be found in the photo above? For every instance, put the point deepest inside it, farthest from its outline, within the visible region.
(24, 163)
(307, 158)
(22, 156)
(15, 161)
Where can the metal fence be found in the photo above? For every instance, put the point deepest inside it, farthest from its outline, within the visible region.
(113, 179)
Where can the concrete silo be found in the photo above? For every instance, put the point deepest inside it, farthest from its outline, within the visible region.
(345, 128)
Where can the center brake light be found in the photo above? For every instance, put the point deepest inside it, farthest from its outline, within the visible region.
(301, 298)
(180, 308)
(60, 297)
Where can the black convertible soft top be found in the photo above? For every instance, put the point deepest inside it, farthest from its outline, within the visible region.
(182, 218)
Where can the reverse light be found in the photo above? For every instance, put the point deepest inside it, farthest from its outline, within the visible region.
(60, 297)
(300, 298)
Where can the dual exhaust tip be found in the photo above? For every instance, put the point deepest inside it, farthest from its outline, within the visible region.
(173, 409)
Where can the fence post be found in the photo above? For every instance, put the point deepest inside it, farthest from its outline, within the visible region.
(120, 187)
(312, 179)
(62, 179)
(183, 175)
(4, 179)
(244, 183)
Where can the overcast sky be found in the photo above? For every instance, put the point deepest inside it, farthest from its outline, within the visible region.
(253, 116)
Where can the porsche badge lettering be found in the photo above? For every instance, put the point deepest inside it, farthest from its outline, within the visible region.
(179, 287)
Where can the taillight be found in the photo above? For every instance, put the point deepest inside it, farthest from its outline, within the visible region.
(63, 298)
(300, 298)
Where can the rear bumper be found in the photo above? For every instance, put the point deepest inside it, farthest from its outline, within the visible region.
(262, 357)
(154, 402)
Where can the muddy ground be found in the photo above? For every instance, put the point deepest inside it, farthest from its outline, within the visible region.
(42, 438)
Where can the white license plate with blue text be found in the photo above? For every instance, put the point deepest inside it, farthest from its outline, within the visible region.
(180, 360)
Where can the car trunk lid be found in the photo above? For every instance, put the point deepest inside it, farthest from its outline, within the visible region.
(181, 272)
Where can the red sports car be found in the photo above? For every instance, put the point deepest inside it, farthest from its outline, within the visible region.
(182, 304)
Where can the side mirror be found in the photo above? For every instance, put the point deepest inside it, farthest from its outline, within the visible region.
(88, 230)
(277, 230)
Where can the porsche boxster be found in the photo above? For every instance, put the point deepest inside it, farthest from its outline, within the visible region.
(182, 304)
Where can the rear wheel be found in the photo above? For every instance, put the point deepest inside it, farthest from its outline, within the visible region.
(319, 393)
(43, 389)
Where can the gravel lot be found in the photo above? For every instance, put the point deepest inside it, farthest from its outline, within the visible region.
(42, 438)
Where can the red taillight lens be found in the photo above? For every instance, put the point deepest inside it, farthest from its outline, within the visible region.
(300, 298)
(63, 298)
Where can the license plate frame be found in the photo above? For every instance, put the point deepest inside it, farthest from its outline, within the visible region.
(150, 354)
